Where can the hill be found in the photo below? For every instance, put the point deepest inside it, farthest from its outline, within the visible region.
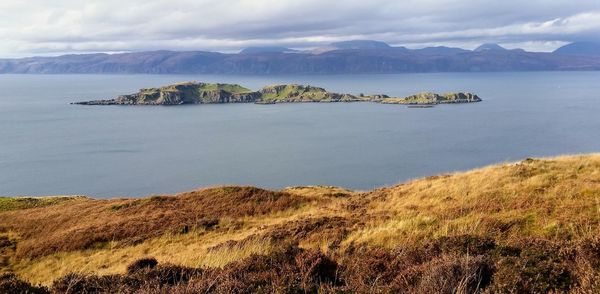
(441, 50)
(359, 44)
(525, 227)
(489, 47)
(352, 57)
(580, 48)
(267, 49)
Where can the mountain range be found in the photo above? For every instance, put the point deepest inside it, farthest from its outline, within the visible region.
(354, 57)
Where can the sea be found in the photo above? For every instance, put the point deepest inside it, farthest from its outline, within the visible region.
(50, 147)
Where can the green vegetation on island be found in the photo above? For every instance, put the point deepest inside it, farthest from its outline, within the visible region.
(432, 98)
(202, 93)
(531, 226)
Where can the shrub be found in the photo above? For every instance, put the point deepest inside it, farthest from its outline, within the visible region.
(540, 267)
(168, 275)
(370, 269)
(9, 283)
(315, 268)
(141, 264)
(78, 283)
(451, 274)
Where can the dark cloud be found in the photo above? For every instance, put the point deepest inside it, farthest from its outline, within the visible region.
(39, 26)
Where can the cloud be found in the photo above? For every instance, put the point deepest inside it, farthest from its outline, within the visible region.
(60, 26)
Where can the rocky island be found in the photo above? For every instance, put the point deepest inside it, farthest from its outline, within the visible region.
(204, 93)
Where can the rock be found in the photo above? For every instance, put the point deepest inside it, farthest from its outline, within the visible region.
(433, 98)
(184, 93)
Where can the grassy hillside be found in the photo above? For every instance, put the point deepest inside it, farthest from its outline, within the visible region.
(303, 93)
(531, 226)
(189, 92)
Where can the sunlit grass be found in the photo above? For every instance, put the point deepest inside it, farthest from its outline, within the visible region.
(554, 199)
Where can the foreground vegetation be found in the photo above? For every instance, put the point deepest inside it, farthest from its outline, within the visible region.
(526, 227)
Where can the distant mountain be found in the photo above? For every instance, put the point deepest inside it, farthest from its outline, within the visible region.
(267, 49)
(371, 57)
(360, 44)
(441, 50)
(580, 48)
(489, 47)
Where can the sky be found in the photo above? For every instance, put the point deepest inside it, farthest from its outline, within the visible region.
(42, 27)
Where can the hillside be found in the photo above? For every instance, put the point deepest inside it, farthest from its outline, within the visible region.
(580, 48)
(524, 227)
(203, 93)
(301, 93)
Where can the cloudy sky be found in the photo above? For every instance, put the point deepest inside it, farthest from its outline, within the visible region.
(41, 27)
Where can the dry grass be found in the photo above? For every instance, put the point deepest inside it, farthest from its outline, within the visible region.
(98, 223)
(556, 200)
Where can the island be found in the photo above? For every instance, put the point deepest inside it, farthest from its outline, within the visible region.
(207, 93)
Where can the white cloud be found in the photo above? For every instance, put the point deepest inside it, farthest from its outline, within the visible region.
(59, 26)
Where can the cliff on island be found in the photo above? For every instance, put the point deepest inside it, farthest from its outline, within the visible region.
(204, 93)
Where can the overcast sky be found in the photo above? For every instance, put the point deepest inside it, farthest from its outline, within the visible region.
(44, 27)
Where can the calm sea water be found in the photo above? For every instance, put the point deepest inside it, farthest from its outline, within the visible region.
(49, 147)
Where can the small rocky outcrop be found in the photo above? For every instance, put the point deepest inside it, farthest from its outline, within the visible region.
(432, 98)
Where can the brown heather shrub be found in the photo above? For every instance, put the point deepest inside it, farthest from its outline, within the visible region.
(540, 266)
(142, 264)
(371, 270)
(291, 270)
(315, 268)
(95, 223)
(448, 274)
(446, 265)
(11, 284)
(6, 243)
(78, 283)
(461, 264)
(167, 274)
(158, 277)
(587, 269)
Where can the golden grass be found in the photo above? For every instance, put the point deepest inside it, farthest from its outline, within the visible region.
(194, 250)
(556, 199)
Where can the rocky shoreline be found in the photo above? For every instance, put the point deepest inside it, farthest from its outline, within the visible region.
(206, 93)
